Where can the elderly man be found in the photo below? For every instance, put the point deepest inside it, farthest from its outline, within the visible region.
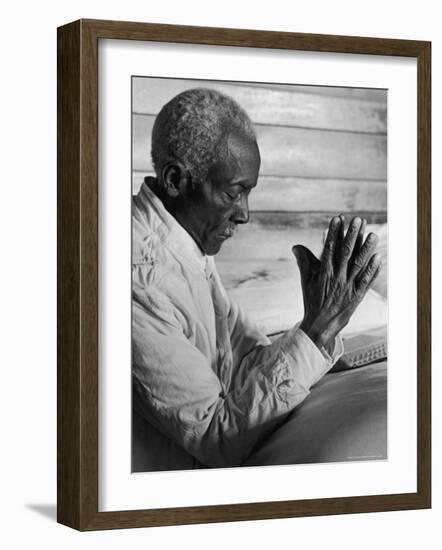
(207, 384)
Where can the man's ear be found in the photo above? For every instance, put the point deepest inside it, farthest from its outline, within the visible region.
(174, 179)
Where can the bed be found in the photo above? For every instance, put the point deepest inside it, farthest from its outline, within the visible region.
(344, 418)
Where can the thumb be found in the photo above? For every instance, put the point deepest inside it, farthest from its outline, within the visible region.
(306, 260)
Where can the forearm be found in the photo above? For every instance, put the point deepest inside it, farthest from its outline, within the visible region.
(218, 430)
(184, 399)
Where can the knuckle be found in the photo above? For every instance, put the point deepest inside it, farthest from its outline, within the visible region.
(372, 238)
(346, 249)
(339, 287)
(365, 278)
(359, 262)
(355, 293)
(375, 262)
(328, 249)
(352, 231)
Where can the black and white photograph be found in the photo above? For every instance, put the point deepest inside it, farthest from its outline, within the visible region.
(220, 284)
(259, 274)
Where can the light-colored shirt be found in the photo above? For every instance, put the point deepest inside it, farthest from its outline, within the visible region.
(208, 385)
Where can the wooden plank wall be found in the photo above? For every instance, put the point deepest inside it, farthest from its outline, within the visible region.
(323, 151)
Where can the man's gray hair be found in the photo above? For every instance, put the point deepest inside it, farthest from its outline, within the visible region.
(190, 129)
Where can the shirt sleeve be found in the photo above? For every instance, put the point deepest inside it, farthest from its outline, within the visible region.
(179, 393)
(307, 363)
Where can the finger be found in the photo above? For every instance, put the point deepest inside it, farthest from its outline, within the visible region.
(307, 262)
(360, 238)
(365, 279)
(330, 243)
(358, 244)
(346, 250)
(339, 241)
(365, 253)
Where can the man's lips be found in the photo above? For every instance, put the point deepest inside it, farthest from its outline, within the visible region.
(226, 234)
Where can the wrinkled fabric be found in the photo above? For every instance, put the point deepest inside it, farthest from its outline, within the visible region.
(207, 384)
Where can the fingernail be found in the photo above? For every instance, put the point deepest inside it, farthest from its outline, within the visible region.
(357, 223)
(335, 221)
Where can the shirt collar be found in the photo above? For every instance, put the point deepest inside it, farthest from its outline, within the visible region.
(170, 231)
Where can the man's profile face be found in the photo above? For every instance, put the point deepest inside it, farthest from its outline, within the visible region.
(221, 202)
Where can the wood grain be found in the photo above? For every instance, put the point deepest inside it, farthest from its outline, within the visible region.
(424, 274)
(376, 95)
(68, 277)
(290, 106)
(295, 152)
(77, 335)
(265, 238)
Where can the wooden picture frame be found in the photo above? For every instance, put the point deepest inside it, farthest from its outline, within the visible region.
(77, 223)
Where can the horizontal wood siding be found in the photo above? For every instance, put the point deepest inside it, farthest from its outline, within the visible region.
(323, 151)
(274, 106)
(299, 152)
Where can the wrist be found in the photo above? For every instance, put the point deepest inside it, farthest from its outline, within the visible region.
(321, 338)
(326, 349)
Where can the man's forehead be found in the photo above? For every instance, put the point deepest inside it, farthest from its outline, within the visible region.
(237, 147)
(237, 161)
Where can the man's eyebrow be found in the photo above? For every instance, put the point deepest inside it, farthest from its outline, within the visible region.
(241, 184)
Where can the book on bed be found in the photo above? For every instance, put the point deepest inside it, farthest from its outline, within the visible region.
(363, 348)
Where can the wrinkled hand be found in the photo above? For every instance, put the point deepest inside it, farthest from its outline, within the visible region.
(334, 286)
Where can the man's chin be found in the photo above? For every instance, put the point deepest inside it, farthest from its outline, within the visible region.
(214, 247)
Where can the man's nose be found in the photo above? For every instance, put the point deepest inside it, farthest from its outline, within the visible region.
(241, 212)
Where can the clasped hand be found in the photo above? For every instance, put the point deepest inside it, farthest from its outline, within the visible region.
(334, 286)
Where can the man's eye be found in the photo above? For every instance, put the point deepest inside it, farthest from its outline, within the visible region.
(232, 197)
